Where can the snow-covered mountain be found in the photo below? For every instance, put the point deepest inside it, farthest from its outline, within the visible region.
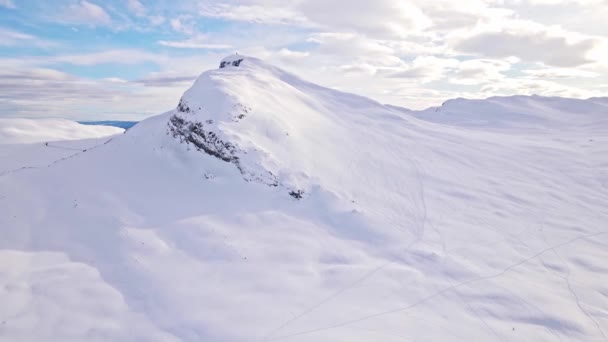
(267, 208)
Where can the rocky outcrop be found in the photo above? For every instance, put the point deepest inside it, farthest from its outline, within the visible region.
(194, 133)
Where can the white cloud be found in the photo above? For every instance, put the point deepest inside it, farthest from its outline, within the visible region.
(349, 44)
(380, 19)
(560, 73)
(183, 24)
(425, 69)
(117, 56)
(46, 92)
(252, 13)
(532, 44)
(528, 86)
(550, 2)
(10, 37)
(587, 17)
(86, 13)
(13, 38)
(194, 44)
(115, 80)
(156, 20)
(479, 71)
(167, 79)
(35, 74)
(599, 53)
(359, 68)
(7, 4)
(136, 7)
(290, 54)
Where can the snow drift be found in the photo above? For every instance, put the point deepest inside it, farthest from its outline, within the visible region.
(267, 208)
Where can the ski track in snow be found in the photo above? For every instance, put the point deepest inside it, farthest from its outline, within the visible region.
(566, 278)
(58, 160)
(441, 292)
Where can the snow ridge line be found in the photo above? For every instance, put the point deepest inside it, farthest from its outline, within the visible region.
(443, 291)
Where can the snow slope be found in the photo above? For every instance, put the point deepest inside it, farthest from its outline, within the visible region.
(26, 131)
(266, 208)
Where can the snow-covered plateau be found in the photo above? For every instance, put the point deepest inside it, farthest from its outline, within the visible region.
(267, 208)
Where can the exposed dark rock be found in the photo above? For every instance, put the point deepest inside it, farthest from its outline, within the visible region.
(241, 112)
(297, 194)
(194, 133)
(183, 106)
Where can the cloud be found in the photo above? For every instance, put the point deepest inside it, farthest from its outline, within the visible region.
(194, 44)
(349, 44)
(359, 68)
(527, 86)
(551, 2)
(136, 7)
(86, 13)
(7, 4)
(560, 73)
(425, 69)
(290, 54)
(479, 71)
(117, 56)
(252, 13)
(166, 80)
(156, 20)
(47, 92)
(10, 37)
(447, 20)
(13, 38)
(531, 46)
(37, 74)
(30, 87)
(43, 91)
(379, 19)
(183, 24)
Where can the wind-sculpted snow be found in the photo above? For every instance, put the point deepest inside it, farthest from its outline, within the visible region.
(484, 220)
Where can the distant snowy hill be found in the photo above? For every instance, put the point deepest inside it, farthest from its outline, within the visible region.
(267, 208)
(25, 131)
(525, 112)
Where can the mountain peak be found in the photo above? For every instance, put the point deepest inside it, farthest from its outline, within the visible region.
(233, 60)
(260, 118)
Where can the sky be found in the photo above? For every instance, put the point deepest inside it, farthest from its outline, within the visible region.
(131, 59)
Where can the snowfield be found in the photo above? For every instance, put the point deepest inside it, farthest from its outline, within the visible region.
(267, 208)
